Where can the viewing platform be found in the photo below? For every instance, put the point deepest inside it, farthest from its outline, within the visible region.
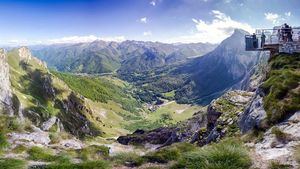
(280, 39)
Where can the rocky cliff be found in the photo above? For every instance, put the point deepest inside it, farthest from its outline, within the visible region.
(219, 120)
(5, 90)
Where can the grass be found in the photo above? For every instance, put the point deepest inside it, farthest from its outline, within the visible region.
(8, 163)
(47, 155)
(40, 154)
(163, 155)
(173, 111)
(280, 135)
(19, 149)
(3, 141)
(27, 81)
(128, 159)
(227, 154)
(99, 164)
(277, 165)
(282, 87)
(99, 89)
(255, 136)
(170, 153)
(94, 152)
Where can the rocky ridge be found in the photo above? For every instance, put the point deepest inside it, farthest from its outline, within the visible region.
(5, 89)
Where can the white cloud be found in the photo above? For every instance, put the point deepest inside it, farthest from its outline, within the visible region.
(153, 3)
(215, 31)
(273, 17)
(143, 20)
(79, 39)
(227, 1)
(277, 18)
(68, 39)
(147, 33)
(288, 14)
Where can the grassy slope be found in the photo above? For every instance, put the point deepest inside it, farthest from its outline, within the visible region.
(26, 84)
(167, 114)
(282, 87)
(111, 101)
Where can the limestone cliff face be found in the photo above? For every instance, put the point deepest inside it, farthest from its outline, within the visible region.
(26, 56)
(5, 90)
(222, 116)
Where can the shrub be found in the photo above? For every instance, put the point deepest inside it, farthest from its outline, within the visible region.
(99, 164)
(128, 159)
(227, 154)
(94, 152)
(8, 163)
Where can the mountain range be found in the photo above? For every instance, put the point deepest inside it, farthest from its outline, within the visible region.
(192, 72)
(174, 100)
(104, 57)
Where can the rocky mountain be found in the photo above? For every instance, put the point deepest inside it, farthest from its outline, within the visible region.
(266, 121)
(202, 79)
(226, 67)
(104, 57)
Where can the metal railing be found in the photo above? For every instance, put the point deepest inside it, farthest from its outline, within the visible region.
(279, 35)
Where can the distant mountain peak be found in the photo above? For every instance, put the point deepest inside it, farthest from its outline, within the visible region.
(240, 31)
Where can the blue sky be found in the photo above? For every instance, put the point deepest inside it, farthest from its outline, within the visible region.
(59, 21)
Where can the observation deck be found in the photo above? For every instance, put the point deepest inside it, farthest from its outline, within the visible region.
(280, 39)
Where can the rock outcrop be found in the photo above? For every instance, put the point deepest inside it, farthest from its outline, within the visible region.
(222, 116)
(272, 148)
(5, 90)
(164, 136)
(254, 115)
(219, 120)
(74, 117)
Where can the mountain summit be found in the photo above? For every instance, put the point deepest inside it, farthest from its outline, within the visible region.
(223, 68)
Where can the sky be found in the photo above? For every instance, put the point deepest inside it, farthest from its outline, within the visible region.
(30, 22)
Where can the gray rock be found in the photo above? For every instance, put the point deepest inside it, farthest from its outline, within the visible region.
(5, 90)
(48, 124)
(254, 114)
(37, 137)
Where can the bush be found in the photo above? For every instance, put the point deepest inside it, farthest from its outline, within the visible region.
(94, 152)
(128, 159)
(227, 154)
(99, 164)
(8, 163)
